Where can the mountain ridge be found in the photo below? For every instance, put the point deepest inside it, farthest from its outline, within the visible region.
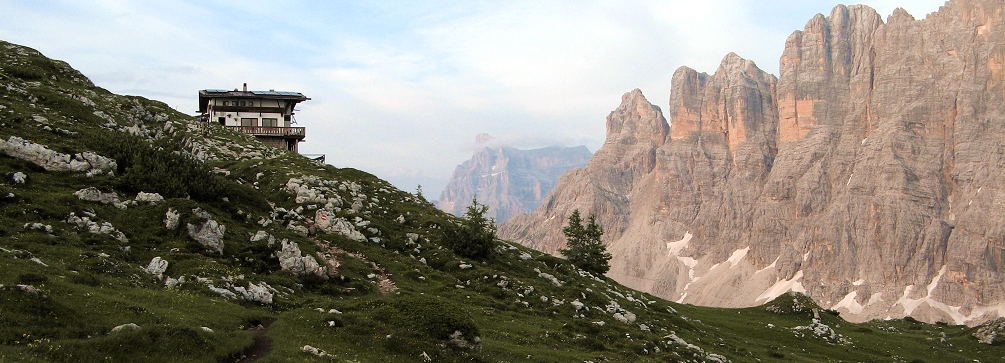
(508, 180)
(846, 177)
(198, 237)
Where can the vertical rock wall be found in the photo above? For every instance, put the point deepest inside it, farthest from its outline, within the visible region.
(869, 174)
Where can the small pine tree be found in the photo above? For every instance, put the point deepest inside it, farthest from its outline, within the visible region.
(584, 247)
(418, 193)
(475, 236)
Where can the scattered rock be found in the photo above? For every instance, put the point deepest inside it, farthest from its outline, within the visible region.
(224, 292)
(157, 266)
(551, 278)
(262, 235)
(122, 327)
(821, 330)
(619, 313)
(458, 341)
(578, 305)
(152, 198)
(992, 332)
(86, 223)
(171, 219)
(315, 351)
(298, 229)
(292, 261)
(328, 223)
(209, 233)
(86, 162)
(255, 293)
(39, 226)
(173, 283)
(20, 178)
(92, 194)
(28, 289)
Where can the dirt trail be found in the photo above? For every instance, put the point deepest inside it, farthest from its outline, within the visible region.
(330, 254)
(262, 345)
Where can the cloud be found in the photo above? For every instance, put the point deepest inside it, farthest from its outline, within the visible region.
(400, 89)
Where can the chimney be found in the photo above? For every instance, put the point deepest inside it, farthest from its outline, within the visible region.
(245, 87)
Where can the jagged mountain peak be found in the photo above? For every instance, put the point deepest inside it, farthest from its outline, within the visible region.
(862, 175)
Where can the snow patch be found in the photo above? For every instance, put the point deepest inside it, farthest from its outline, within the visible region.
(737, 256)
(676, 247)
(771, 266)
(849, 302)
(782, 286)
(910, 304)
(875, 298)
(858, 283)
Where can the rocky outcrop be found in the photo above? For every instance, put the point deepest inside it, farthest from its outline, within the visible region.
(92, 194)
(508, 180)
(866, 175)
(294, 262)
(85, 223)
(156, 267)
(86, 162)
(149, 198)
(991, 332)
(171, 219)
(209, 233)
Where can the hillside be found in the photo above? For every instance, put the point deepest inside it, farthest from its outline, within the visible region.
(510, 181)
(133, 233)
(867, 175)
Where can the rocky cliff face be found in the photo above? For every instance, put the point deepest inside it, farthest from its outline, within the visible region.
(510, 181)
(869, 175)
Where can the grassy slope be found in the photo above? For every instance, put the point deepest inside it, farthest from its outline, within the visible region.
(90, 284)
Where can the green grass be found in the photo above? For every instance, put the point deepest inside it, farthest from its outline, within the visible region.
(90, 283)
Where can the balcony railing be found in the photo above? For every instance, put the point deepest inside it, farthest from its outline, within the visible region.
(269, 131)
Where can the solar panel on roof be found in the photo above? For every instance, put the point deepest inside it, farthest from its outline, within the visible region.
(284, 93)
(216, 91)
(271, 93)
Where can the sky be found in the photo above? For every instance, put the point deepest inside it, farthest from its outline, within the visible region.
(400, 89)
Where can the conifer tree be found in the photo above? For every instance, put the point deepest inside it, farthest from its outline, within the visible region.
(476, 234)
(584, 247)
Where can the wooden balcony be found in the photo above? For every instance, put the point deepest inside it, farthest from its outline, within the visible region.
(287, 132)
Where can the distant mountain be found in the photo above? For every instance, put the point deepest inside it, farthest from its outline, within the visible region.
(133, 233)
(510, 181)
(870, 174)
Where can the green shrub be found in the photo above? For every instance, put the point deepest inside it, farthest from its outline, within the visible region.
(165, 170)
(434, 316)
